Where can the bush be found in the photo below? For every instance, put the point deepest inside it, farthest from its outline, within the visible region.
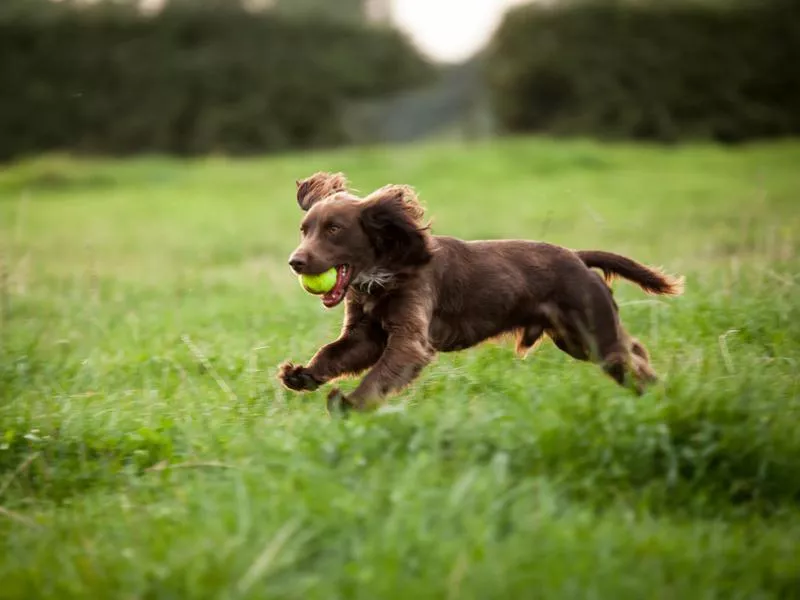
(187, 82)
(658, 71)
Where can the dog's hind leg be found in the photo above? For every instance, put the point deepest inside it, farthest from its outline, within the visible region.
(638, 349)
(628, 363)
(589, 329)
(528, 337)
(640, 362)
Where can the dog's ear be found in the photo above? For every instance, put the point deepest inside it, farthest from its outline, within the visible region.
(319, 186)
(392, 219)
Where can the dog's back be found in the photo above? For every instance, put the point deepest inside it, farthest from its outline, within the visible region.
(482, 289)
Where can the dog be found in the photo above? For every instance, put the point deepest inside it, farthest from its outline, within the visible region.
(409, 294)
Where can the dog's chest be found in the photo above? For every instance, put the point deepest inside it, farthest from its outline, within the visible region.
(370, 288)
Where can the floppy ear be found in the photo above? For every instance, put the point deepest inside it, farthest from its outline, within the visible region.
(392, 219)
(320, 185)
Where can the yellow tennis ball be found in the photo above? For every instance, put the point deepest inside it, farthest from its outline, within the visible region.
(319, 284)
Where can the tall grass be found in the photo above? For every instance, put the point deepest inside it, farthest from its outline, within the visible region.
(147, 451)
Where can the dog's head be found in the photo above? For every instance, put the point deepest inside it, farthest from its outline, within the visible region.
(382, 232)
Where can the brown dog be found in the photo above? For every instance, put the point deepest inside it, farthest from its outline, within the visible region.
(409, 294)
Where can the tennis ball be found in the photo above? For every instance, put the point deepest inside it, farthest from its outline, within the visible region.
(319, 284)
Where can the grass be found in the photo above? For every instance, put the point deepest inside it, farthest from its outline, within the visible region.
(147, 451)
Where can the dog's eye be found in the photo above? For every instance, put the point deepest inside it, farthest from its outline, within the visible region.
(332, 229)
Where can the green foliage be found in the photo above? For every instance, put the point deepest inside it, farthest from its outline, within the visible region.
(653, 70)
(339, 10)
(187, 81)
(147, 450)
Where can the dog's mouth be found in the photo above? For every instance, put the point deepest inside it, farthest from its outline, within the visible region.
(336, 295)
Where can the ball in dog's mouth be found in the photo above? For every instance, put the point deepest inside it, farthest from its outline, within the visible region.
(319, 283)
(336, 294)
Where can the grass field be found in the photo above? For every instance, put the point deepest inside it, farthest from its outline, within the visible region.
(147, 451)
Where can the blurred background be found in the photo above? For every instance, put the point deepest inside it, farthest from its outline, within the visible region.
(193, 77)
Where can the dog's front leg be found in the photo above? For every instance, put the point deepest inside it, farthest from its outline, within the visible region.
(402, 361)
(406, 322)
(359, 346)
(348, 355)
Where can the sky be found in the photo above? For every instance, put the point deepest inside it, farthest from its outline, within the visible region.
(449, 30)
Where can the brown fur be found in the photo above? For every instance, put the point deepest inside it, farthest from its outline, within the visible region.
(414, 294)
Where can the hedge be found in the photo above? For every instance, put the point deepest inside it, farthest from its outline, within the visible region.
(659, 70)
(188, 82)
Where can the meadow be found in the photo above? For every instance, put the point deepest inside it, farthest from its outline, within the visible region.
(147, 450)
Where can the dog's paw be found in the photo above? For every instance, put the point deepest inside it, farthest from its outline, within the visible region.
(297, 378)
(338, 404)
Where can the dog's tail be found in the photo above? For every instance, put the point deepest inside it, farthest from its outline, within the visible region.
(613, 265)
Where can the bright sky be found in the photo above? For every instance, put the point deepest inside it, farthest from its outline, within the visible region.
(449, 30)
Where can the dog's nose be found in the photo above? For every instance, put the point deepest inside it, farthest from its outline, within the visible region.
(297, 264)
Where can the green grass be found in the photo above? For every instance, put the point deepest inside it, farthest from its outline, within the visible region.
(147, 451)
